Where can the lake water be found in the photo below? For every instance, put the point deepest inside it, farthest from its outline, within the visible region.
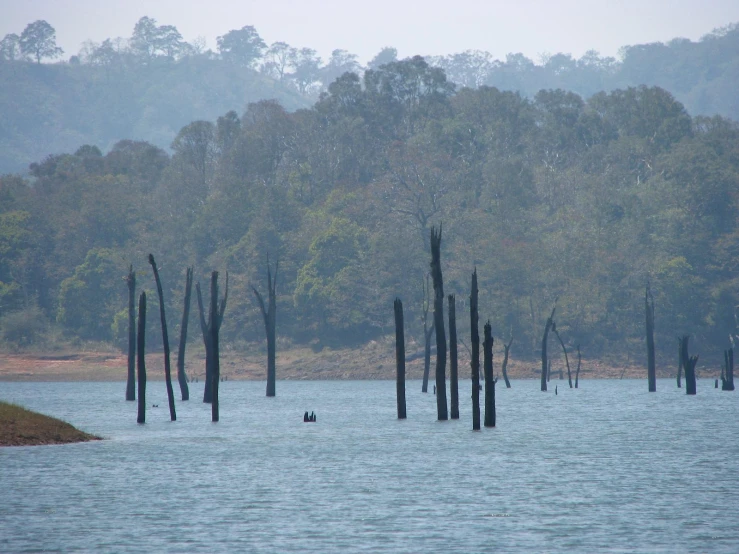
(607, 467)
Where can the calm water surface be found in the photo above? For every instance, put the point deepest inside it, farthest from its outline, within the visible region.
(608, 467)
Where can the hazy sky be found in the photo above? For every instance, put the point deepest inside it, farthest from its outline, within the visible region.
(413, 27)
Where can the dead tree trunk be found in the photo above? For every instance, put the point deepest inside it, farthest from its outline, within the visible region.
(436, 276)
(577, 373)
(487, 351)
(453, 367)
(399, 358)
(206, 328)
(141, 343)
(679, 363)
(689, 363)
(181, 377)
(131, 381)
(567, 360)
(727, 376)
(505, 362)
(544, 359)
(475, 354)
(165, 340)
(427, 333)
(651, 371)
(269, 314)
(215, 325)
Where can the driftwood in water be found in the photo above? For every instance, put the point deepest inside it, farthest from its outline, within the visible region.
(427, 334)
(567, 360)
(141, 365)
(399, 358)
(131, 380)
(475, 354)
(651, 371)
(689, 363)
(577, 373)
(165, 340)
(504, 368)
(181, 377)
(727, 374)
(545, 367)
(269, 314)
(206, 328)
(436, 276)
(453, 368)
(487, 350)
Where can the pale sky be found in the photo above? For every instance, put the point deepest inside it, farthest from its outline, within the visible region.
(430, 27)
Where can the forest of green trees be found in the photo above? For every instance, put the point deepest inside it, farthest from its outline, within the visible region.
(554, 196)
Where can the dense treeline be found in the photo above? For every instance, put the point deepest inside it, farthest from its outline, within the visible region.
(149, 85)
(554, 197)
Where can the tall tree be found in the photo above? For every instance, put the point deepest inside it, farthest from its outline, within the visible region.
(165, 340)
(10, 47)
(242, 47)
(181, 376)
(436, 276)
(38, 41)
(269, 314)
(131, 381)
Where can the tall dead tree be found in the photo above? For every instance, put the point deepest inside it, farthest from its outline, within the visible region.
(475, 354)
(427, 334)
(651, 368)
(269, 313)
(399, 358)
(165, 340)
(577, 373)
(679, 363)
(453, 368)
(689, 363)
(141, 366)
(436, 276)
(567, 360)
(504, 367)
(544, 360)
(727, 375)
(206, 328)
(131, 380)
(181, 377)
(215, 319)
(487, 350)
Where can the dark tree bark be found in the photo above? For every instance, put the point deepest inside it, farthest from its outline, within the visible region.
(165, 340)
(269, 314)
(436, 276)
(427, 334)
(567, 360)
(544, 359)
(181, 377)
(689, 363)
(475, 354)
(453, 368)
(399, 358)
(651, 370)
(504, 369)
(215, 325)
(131, 381)
(487, 350)
(577, 373)
(727, 375)
(141, 343)
(206, 328)
(679, 363)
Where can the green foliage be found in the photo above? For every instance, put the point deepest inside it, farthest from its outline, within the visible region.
(23, 328)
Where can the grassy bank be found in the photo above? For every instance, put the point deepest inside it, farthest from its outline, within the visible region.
(21, 427)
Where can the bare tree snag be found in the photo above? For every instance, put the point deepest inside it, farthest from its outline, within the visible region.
(427, 334)
(165, 340)
(131, 381)
(577, 373)
(206, 328)
(436, 276)
(214, 327)
(727, 374)
(453, 367)
(504, 369)
(475, 354)
(544, 360)
(679, 363)
(689, 363)
(141, 366)
(567, 360)
(487, 350)
(651, 370)
(269, 314)
(399, 358)
(181, 377)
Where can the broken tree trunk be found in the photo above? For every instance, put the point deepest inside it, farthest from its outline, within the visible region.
(269, 313)
(689, 363)
(453, 369)
(651, 371)
(141, 342)
(475, 354)
(399, 358)
(679, 363)
(205, 327)
(567, 360)
(577, 373)
(131, 381)
(727, 375)
(215, 321)
(427, 333)
(165, 340)
(487, 350)
(544, 361)
(181, 377)
(436, 276)
(504, 369)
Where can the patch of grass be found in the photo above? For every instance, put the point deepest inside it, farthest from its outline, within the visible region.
(21, 427)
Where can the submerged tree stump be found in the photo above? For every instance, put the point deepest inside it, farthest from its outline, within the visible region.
(181, 376)
(269, 314)
(436, 276)
(504, 367)
(545, 367)
(165, 340)
(131, 379)
(689, 363)
(487, 349)
(141, 365)
(475, 354)
(399, 359)
(727, 375)
(207, 329)
(651, 368)
(427, 334)
(567, 360)
(577, 373)
(679, 363)
(453, 369)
